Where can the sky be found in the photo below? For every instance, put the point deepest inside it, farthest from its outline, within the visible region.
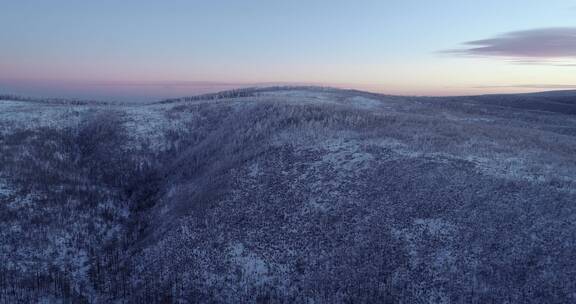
(158, 49)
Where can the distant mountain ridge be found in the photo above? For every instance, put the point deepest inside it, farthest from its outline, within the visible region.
(559, 96)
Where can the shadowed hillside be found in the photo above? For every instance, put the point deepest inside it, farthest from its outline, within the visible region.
(289, 195)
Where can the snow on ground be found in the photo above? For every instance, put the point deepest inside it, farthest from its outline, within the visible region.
(397, 146)
(28, 115)
(436, 227)
(478, 119)
(26, 201)
(425, 229)
(327, 97)
(5, 189)
(149, 124)
(299, 96)
(251, 265)
(365, 103)
(345, 154)
(515, 167)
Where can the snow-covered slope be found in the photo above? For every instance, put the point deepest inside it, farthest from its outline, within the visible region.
(279, 195)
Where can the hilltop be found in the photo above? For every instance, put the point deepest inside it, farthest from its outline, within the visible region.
(290, 195)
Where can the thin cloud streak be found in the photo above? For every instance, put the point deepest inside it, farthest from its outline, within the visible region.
(532, 86)
(548, 46)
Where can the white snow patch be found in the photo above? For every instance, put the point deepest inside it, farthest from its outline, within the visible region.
(316, 205)
(5, 190)
(22, 202)
(302, 96)
(426, 228)
(452, 117)
(148, 124)
(16, 114)
(345, 154)
(254, 170)
(396, 146)
(436, 227)
(365, 103)
(251, 265)
(511, 167)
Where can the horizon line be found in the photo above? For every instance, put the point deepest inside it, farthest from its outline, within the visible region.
(23, 97)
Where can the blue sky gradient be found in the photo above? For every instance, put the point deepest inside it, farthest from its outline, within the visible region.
(399, 47)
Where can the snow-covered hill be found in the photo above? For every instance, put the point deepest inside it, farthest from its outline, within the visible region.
(283, 195)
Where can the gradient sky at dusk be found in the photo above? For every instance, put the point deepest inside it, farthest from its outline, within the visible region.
(168, 48)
